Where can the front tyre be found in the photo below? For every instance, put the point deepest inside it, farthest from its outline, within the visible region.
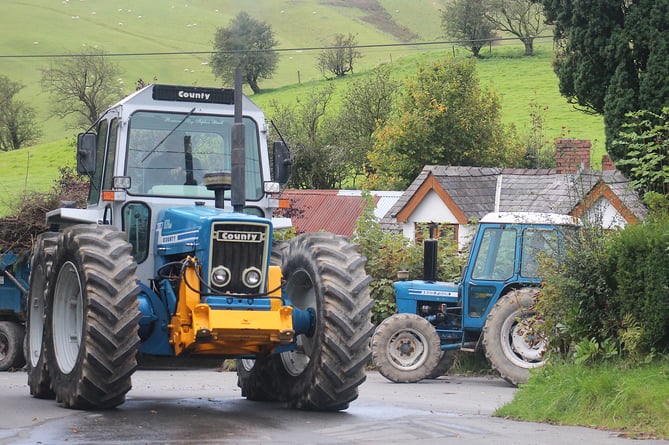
(325, 273)
(254, 381)
(406, 348)
(513, 344)
(93, 317)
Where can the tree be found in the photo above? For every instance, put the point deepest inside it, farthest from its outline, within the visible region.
(366, 107)
(465, 20)
(612, 58)
(522, 18)
(17, 119)
(443, 117)
(331, 145)
(83, 85)
(318, 162)
(645, 139)
(339, 58)
(246, 43)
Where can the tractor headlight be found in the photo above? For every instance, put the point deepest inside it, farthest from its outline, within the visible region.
(251, 277)
(220, 276)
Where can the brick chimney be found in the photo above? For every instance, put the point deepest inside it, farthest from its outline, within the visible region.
(572, 155)
(607, 163)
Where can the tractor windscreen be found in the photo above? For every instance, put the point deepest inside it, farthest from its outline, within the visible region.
(169, 153)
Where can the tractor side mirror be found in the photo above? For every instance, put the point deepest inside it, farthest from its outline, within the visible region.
(283, 165)
(86, 153)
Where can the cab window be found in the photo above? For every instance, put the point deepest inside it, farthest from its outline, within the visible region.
(496, 256)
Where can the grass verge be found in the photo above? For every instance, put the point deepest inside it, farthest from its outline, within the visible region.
(633, 400)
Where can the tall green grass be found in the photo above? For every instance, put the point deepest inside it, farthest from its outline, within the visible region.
(634, 400)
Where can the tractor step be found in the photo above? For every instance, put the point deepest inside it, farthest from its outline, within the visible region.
(469, 346)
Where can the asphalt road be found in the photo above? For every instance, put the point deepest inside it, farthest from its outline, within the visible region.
(206, 407)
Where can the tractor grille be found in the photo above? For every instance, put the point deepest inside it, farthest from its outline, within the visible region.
(239, 247)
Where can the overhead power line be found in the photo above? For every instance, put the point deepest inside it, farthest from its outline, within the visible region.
(278, 50)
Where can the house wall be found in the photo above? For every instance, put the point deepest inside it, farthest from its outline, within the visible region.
(433, 209)
(602, 210)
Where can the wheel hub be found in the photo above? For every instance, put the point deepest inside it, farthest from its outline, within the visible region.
(407, 350)
(36, 330)
(67, 320)
(526, 343)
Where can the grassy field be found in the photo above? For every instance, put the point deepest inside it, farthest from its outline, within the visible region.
(123, 26)
(34, 28)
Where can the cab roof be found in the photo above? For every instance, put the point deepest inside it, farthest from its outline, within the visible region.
(530, 218)
(180, 98)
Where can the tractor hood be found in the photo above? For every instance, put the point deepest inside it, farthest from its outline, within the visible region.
(408, 292)
(183, 230)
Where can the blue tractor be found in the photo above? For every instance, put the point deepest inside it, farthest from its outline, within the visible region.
(491, 307)
(174, 258)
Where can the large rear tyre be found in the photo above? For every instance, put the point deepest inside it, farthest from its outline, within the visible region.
(93, 317)
(406, 348)
(513, 344)
(11, 345)
(41, 265)
(324, 273)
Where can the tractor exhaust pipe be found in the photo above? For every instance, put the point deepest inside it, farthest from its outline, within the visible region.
(238, 190)
(430, 257)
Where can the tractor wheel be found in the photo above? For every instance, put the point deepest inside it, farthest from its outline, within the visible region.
(41, 264)
(11, 345)
(445, 363)
(406, 348)
(512, 344)
(325, 273)
(92, 318)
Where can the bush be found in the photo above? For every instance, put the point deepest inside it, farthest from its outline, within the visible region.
(639, 264)
(610, 289)
(19, 230)
(574, 298)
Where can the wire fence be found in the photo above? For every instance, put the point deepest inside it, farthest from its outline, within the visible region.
(490, 43)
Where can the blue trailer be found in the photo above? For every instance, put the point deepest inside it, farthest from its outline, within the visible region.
(14, 273)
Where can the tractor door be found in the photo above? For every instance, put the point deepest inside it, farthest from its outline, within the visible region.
(101, 176)
(492, 265)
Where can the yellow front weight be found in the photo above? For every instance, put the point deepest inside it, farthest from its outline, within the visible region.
(198, 329)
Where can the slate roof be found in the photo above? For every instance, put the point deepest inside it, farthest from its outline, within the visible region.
(334, 211)
(477, 191)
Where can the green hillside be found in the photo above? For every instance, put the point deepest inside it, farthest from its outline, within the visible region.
(125, 26)
(45, 27)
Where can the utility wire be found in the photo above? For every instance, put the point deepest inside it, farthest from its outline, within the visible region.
(277, 50)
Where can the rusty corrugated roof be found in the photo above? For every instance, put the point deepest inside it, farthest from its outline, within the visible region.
(332, 211)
